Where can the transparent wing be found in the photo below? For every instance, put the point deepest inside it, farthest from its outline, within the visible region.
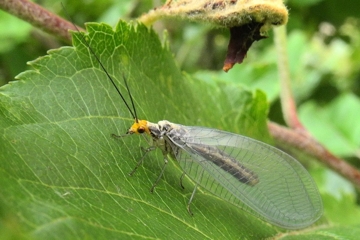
(268, 182)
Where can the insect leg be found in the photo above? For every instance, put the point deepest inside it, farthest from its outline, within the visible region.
(161, 173)
(193, 193)
(113, 135)
(146, 151)
(181, 179)
(190, 200)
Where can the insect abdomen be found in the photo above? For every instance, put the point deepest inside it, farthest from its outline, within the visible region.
(226, 163)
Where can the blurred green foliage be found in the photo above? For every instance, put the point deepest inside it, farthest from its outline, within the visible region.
(324, 58)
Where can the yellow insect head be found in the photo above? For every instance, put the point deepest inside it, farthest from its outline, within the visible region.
(140, 126)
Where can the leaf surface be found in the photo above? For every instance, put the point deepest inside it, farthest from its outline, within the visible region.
(62, 173)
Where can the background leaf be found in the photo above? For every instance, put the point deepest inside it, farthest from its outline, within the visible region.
(338, 119)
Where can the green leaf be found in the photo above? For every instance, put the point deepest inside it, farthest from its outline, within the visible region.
(63, 176)
(338, 119)
(334, 232)
(343, 210)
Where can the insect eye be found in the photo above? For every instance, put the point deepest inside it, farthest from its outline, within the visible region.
(141, 130)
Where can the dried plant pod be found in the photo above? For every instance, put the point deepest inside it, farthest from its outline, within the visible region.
(248, 20)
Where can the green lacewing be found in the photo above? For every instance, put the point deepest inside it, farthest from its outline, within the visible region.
(250, 174)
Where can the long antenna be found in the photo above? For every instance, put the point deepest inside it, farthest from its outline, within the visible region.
(131, 99)
(83, 40)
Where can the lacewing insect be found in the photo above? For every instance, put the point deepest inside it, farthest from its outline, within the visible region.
(252, 175)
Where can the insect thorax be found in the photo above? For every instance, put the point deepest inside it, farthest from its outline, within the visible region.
(164, 135)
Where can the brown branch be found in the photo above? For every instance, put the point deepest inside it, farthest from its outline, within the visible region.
(305, 143)
(39, 17)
